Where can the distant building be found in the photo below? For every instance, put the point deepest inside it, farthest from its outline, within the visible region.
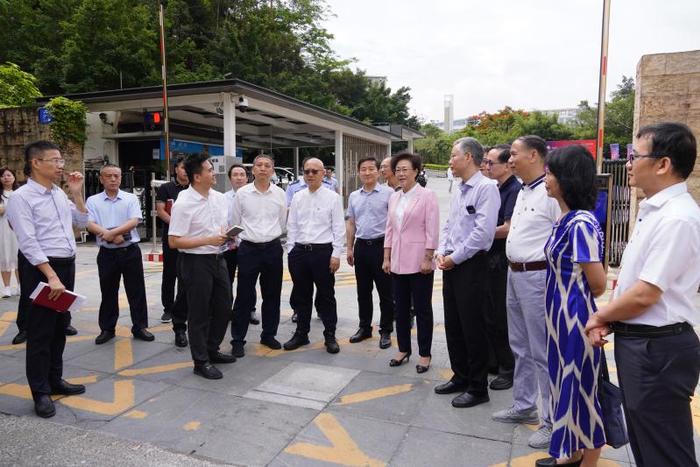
(449, 113)
(564, 116)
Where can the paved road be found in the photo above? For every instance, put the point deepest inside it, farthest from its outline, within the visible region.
(143, 405)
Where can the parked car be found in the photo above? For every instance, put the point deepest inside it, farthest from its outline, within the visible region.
(283, 175)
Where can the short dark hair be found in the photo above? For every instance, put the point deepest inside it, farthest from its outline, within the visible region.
(193, 164)
(34, 151)
(674, 140)
(236, 165)
(575, 170)
(503, 152)
(179, 159)
(535, 142)
(416, 161)
(14, 184)
(366, 159)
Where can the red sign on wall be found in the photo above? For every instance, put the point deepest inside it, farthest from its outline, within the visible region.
(586, 143)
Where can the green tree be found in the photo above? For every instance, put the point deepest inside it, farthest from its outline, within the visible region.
(17, 87)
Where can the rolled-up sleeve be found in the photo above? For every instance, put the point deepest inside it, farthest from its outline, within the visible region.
(19, 214)
(80, 219)
(135, 208)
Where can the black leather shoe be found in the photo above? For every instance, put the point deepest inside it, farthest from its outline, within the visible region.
(237, 349)
(449, 388)
(295, 317)
(406, 357)
(70, 331)
(296, 341)
(550, 461)
(494, 370)
(143, 334)
(469, 400)
(254, 319)
(218, 357)
(501, 382)
(207, 370)
(180, 339)
(332, 345)
(43, 406)
(20, 338)
(67, 389)
(271, 342)
(360, 335)
(385, 340)
(104, 336)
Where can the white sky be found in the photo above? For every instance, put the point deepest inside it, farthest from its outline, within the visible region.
(529, 54)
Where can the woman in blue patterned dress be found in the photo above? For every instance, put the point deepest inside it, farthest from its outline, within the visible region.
(575, 275)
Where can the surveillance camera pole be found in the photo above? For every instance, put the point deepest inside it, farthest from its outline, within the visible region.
(163, 68)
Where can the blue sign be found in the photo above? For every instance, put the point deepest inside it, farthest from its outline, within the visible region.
(178, 146)
(45, 116)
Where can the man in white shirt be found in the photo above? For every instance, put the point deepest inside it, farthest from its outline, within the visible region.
(652, 312)
(261, 209)
(198, 224)
(315, 234)
(534, 215)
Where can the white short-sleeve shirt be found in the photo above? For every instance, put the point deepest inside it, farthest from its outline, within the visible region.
(194, 215)
(664, 250)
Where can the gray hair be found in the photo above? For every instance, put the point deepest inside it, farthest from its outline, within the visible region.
(471, 146)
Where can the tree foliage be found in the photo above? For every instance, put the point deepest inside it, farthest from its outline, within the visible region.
(91, 45)
(17, 88)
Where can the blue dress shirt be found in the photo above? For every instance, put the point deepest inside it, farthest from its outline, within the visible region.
(112, 212)
(43, 221)
(369, 211)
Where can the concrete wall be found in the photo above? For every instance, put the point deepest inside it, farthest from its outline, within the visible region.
(668, 89)
(20, 126)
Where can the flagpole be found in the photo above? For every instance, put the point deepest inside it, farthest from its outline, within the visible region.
(164, 74)
(602, 83)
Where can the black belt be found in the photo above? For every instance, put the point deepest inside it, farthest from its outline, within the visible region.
(370, 241)
(313, 246)
(644, 330)
(122, 248)
(206, 255)
(55, 260)
(475, 255)
(261, 244)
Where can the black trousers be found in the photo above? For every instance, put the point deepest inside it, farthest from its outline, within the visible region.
(174, 304)
(369, 255)
(208, 294)
(495, 312)
(658, 376)
(255, 260)
(46, 337)
(416, 288)
(112, 265)
(24, 301)
(467, 344)
(309, 266)
(231, 257)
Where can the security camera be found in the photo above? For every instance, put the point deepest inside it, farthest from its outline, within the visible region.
(242, 104)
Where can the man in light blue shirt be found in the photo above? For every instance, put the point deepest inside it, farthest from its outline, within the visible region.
(298, 185)
(113, 216)
(365, 223)
(465, 241)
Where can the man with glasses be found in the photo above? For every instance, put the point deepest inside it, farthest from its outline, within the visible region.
(495, 314)
(42, 217)
(260, 208)
(652, 313)
(315, 234)
(365, 223)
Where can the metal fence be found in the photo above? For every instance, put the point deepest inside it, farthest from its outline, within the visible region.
(619, 210)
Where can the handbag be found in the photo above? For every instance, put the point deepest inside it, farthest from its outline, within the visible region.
(610, 399)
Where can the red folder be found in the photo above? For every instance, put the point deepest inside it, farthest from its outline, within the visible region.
(67, 301)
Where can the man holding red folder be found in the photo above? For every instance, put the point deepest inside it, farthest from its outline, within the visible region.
(42, 217)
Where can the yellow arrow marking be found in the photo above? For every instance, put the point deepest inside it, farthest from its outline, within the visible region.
(83, 379)
(136, 414)
(365, 396)
(263, 351)
(695, 409)
(446, 373)
(123, 354)
(343, 451)
(191, 426)
(9, 316)
(23, 392)
(155, 369)
(4, 325)
(123, 399)
(68, 339)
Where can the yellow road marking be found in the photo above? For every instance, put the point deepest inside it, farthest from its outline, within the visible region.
(4, 325)
(343, 451)
(123, 354)
(365, 396)
(123, 399)
(155, 369)
(136, 414)
(23, 392)
(9, 316)
(191, 426)
(90, 379)
(446, 373)
(68, 339)
(695, 409)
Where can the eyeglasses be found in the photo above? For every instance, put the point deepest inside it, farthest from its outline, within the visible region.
(490, 163)
(312, 171)
(634, 156)
(58, 162)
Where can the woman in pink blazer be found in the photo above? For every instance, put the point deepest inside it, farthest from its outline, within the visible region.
(412, 230)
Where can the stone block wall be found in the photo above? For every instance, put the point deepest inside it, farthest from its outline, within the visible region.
(668, 89)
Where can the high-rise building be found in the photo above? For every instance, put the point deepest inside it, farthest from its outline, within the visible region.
(449, 113)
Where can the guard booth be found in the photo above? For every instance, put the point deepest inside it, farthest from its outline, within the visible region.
(230, 119)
